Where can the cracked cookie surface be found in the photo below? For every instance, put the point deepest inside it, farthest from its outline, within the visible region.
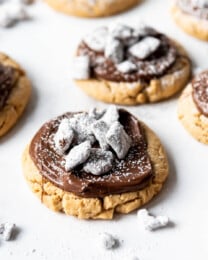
(96, 208)
(17, 99)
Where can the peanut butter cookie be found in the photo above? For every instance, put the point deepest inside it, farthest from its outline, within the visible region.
(15, 91)
(193, 108)
(128, 66)
(93, 165)
(192, 17)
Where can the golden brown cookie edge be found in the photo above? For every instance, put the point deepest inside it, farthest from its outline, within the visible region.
(190, 24)
(17, 99)
(191, 118)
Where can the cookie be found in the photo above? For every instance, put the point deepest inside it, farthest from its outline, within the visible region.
(91, 8)
(192, 17)
(95, 187)
(193, 108)
(128, 66)
(15, 90)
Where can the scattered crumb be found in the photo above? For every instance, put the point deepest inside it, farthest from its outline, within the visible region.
(150, 222)
(110, 242)
(6, 230)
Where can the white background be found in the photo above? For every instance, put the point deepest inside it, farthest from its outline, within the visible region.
(44, 46)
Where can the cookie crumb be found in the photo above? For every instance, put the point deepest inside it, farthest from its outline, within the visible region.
(6, 230)
(12, 12)
(110, 242)
(150, 222)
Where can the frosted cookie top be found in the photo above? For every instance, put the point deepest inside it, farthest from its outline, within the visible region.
(200, 92)
(124, 54)
(7, 80)
(197, 8)
(93, 154)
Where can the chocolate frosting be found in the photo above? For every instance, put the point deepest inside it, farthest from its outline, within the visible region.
(7, 78)
(188, 6)
(153, 66)
(200, 92)
(130, 174)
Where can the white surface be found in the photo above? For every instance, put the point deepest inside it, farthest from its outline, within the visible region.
(44, 47)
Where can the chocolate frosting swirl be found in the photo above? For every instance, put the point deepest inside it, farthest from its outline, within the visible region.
(200, 92)
(7, 78)
(130, 174)
(155, 65)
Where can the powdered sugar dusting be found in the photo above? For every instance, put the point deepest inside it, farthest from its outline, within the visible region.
(77, 155)
(81, 68)
(64, 136)
(135, 166)
(123, 53)
(84, 130)
(126, 66)
(118, 139)
(100, 162)
(144, 48)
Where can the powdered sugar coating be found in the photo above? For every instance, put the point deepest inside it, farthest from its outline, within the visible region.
(6, 230)
(198, 8)
(97, 39)
(114, 50)
(151, 52)
(118, 139)
(99, 129)
(145, 47)
(134, 168)
(121, 31)
(77, 155)
(81, 124)
(81, 67)
(126, 66)
(82, 130)
(100, 162)
(111, 115)
(64, 136)
(150, 222)
(11, 13)
(95, 113)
